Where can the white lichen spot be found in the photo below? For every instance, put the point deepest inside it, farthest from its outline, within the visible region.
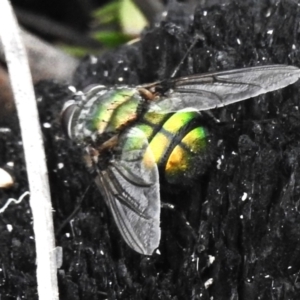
(238, 41)
(268, 13)
(120, 79)
(211, 259)
(72, 88)
(164, 13)
(93, 59)
(219, 162)
(270, 31)
(105, 73)
(294, 47)
(205, 13)
(9, 227)
(10, 164)
(68, 234)
(267, 276)
(60, 165)
(157, 47)
(241, 217)
(245, 196)
(47, 125)
(208, 283)
(157, 252)
(289, 267)
(5, 130)
(125, 69)
(219, 143)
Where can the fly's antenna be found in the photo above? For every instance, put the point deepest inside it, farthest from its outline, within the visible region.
(196, 40)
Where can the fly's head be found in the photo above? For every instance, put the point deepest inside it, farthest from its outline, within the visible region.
(67, 117)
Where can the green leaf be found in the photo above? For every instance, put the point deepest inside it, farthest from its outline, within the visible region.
(75, 50)
(108, 13)
(132, 20)
(111, 38)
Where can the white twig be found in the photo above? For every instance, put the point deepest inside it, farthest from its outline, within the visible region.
(34, 153)
(10, 200)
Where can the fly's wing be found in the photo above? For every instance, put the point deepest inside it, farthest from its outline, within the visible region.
(208, 91)
(130, 186)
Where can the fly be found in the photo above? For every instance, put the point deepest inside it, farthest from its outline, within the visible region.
(129, 133)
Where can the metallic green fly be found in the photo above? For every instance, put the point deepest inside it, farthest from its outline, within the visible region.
(129, 133)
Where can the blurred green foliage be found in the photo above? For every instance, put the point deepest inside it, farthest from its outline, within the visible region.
(114, 24)
(124, 18)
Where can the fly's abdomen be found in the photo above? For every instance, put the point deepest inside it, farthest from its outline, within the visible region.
(186, 158)
(179, 144)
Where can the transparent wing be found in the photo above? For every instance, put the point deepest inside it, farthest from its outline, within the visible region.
(130, 186)
(213, 90)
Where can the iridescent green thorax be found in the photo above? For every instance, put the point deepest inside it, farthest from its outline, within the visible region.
(106, 111)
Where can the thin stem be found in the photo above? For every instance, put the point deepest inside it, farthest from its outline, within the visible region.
(40, 201)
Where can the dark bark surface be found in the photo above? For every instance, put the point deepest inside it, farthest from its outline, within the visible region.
(235, 232)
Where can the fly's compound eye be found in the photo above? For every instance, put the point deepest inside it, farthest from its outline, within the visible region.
(67, 116)
(94, 87)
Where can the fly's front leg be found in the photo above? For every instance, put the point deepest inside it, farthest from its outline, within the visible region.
(97, 157)
(148, 94)
(90, 157)
(108, 145)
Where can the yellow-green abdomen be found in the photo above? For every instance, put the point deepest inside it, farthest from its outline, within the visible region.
(179, 144)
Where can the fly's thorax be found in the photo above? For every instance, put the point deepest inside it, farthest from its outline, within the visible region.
(105, 111)
(179, 143)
